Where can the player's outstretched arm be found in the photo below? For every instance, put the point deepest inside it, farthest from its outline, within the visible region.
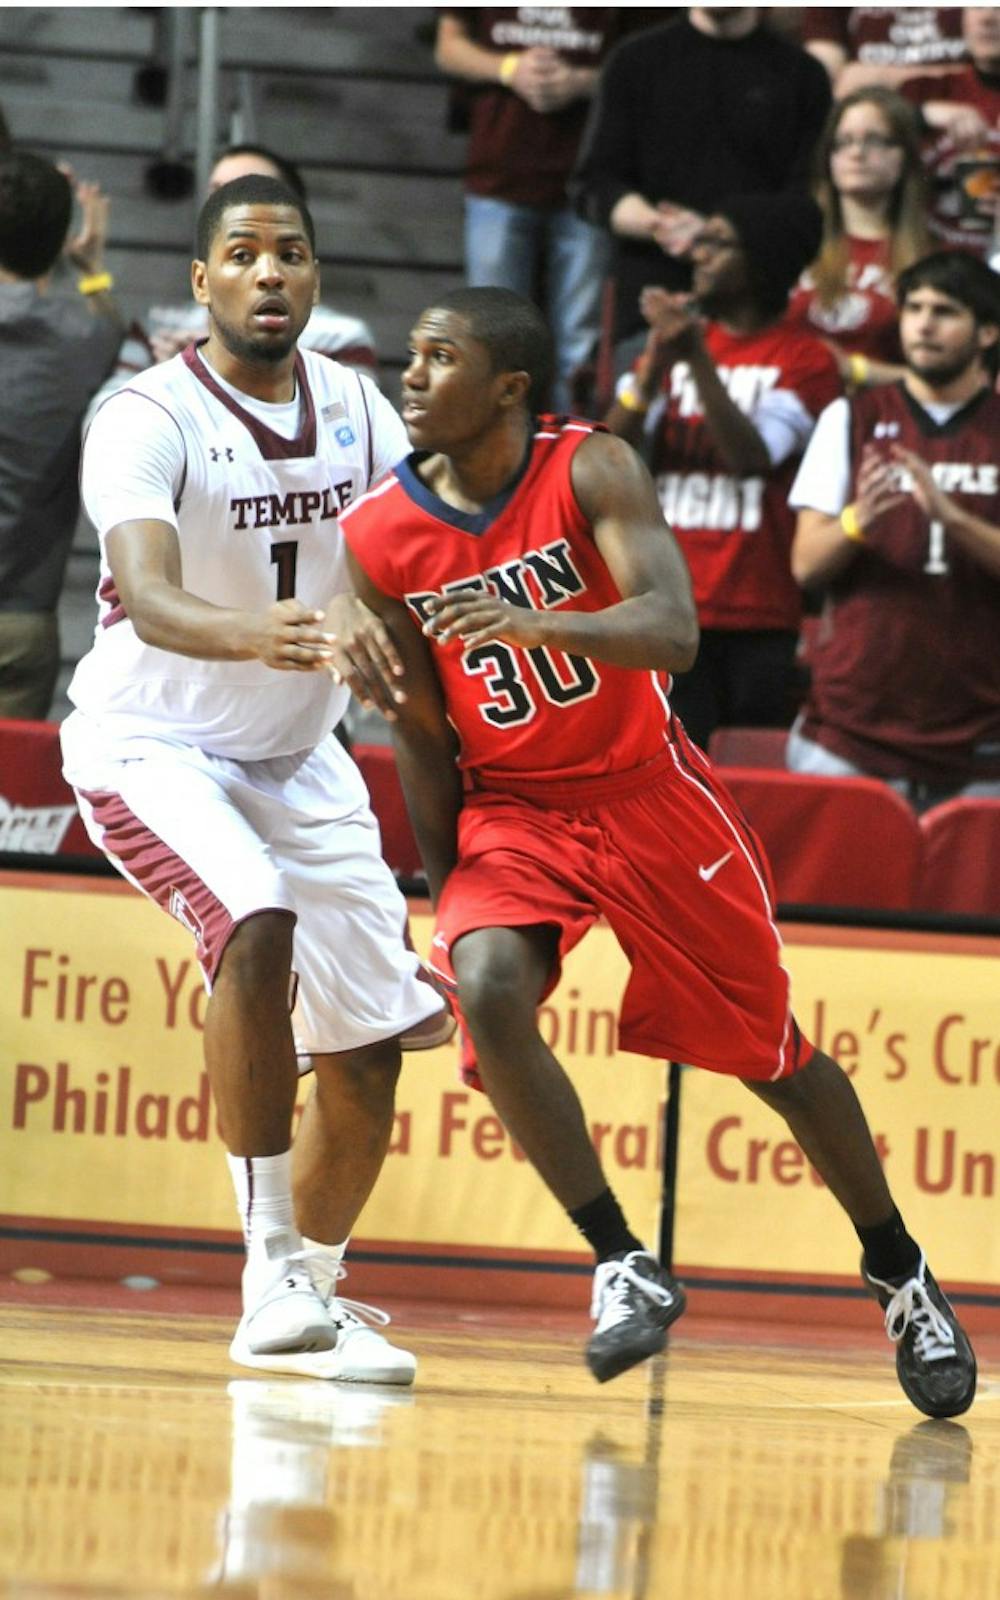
(654, 627)
(145, 561)
(423, 738)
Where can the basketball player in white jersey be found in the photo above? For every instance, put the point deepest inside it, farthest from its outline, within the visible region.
(206, 768)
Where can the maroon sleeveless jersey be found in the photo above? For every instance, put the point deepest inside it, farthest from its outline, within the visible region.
(906, 667)
(527, 714)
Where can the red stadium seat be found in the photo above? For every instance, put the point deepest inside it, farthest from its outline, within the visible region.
(378, 768)
(749, 747)
(38, 814)
(961, 869)
(832, 841)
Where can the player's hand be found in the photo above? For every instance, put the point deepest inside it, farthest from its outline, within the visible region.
(878, 487)
(675, 227)
(85, 247)
(363, 655)
(931, 499)
(541, 79)
(965, 126)
(289, 637)
(675, 324)
(476, 618)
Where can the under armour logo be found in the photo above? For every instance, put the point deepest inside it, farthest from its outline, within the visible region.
(227, 452)
(886, 430)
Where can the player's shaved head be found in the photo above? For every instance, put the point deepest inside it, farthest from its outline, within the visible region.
(513, 331)
(253, 190)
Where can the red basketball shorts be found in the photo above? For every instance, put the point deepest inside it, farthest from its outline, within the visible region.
(665, 856)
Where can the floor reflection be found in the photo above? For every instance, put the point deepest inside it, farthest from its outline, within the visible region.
(919, 1501)
(134, 1460)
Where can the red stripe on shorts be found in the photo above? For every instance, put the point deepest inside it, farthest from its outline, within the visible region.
(164, 877)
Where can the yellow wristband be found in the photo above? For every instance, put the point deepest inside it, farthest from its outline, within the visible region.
(508, 67)
(850, 524)
(96, 283)
(629, 397)
(859, 370)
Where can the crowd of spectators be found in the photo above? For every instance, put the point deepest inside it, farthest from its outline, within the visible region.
(721, 210)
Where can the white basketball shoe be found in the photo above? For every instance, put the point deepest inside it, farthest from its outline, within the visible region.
(286, 1313)
(359, 1353)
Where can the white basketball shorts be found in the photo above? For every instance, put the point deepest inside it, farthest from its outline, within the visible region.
(214, 841)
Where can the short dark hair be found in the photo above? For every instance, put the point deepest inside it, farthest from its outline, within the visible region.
(963, 278)
(36, 202)
(287, 171)
(514, 332)
(252, 191)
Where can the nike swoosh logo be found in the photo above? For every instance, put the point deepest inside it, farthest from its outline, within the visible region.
(706, 874)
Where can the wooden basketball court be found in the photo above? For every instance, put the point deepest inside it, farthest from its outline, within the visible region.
(745, 1464)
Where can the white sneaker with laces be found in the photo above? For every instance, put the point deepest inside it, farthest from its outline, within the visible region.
(361, 1353)
(289, 1314)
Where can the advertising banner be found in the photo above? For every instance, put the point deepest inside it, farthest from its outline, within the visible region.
(913, 1019)
(107, 1130)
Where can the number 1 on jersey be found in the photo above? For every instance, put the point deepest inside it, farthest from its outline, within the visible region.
(284, 556)
(937, 561)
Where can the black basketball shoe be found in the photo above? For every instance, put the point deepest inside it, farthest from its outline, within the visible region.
(633, 1304)
(934, 1359)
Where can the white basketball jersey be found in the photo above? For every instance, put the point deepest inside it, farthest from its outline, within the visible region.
(256, 516)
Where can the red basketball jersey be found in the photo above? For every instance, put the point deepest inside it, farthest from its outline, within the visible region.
(533, 714)
(736, 531)
(906, 661)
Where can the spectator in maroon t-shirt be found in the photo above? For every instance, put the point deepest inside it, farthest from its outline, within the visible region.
(962, 152)
(899, 523)
(864, 45)
(534, 70)
(870, 187)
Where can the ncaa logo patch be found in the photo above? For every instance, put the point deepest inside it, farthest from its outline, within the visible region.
(345, 435)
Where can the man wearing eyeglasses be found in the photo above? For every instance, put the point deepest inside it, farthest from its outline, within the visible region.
(722, 402)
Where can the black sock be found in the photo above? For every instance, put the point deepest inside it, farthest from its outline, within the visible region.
(604, 1227)
(890, 1253)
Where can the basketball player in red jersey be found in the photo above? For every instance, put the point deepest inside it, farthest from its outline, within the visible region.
(899, 521)
(535, 593)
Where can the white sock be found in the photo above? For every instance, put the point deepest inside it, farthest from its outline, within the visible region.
(263, 1187)
(324, 1270)
(334, 1250)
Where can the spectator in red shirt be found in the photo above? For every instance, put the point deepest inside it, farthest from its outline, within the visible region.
(724, 408)
(870, 187)
(962, 153)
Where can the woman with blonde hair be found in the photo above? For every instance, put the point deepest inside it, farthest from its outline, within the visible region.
(870, 187)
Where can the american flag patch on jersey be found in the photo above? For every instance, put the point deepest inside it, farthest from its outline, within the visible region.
(335, 409)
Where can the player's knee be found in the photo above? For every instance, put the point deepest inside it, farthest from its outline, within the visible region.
(802, 1088)
(495, 987)
(258, 953)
